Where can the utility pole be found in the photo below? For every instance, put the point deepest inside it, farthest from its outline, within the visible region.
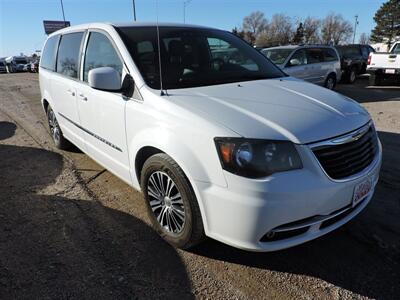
(62, 8)
(134, 10)
(185, 3)
(355, 27)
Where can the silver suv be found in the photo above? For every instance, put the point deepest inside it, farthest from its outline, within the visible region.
(316, 64)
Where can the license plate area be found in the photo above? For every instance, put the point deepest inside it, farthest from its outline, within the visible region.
(361, 191)
(390, 71)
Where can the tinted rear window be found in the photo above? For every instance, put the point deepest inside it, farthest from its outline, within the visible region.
(48, 60)
(68, 54)
(349, 51)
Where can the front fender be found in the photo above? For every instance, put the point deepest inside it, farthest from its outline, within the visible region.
(191, 159)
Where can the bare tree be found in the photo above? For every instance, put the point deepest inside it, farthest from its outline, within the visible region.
(364, 39)
(311, 28)
(335, 29)
(253, 24)
(279, 31)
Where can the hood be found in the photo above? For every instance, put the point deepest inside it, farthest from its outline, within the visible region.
(281, 109)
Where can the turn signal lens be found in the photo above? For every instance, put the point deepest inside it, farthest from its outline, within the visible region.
(226, 151)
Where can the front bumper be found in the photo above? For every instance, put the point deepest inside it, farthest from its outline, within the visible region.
(245, 212)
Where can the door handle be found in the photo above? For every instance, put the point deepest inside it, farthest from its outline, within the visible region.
(72, 93)
(83, 97)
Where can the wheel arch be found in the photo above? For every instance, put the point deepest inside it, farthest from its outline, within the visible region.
(190, 165)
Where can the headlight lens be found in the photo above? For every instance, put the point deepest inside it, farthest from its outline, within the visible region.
(256, 158)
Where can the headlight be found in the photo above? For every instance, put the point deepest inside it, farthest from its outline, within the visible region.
(256, 158)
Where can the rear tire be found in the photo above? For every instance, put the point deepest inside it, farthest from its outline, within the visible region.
(352, 76)
(375, 79)
(330, 81)
(171, 203)
(55, 131)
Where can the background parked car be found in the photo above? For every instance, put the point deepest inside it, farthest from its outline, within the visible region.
(15, 63)
(27, 67)
(3, 67)
(316, 64)
(353, 59)
(35, 66)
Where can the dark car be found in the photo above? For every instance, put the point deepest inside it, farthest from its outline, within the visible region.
(353, 59)
(27, 67)
(3, 68)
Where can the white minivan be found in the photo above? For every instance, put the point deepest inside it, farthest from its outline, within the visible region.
(224, 146)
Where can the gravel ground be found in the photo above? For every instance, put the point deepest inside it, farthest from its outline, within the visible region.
(70, 229)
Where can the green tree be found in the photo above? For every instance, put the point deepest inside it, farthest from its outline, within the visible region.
(387, 19)
(299, 36)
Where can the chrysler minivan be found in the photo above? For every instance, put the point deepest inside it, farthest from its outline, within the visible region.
(225, 146)
(314, 63)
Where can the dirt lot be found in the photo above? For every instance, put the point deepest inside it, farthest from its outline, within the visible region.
(70, 229)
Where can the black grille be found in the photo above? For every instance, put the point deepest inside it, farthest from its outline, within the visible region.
(341, 161)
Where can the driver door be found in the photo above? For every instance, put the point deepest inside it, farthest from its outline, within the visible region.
(301, 70)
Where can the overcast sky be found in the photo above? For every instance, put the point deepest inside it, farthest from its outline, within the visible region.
(21, 21)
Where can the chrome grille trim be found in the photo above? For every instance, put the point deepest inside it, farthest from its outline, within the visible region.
(342, 140)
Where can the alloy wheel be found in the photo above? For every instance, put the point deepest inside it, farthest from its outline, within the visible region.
(330, 83)
(53, 124)
(352, 76)
(166, 202)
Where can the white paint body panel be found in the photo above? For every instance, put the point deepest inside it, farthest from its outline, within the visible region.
(184, 123)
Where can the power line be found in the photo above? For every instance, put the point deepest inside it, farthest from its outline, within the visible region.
(62, 8)
(355, 27)
(134, 10)
(185, 3)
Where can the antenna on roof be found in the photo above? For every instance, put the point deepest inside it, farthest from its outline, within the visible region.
(159, 53)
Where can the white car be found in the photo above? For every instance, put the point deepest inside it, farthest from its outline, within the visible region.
(222, 146)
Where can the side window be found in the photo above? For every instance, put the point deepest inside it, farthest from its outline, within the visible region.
(396, 49)
(100, 52)
(314, 55)
(48, 59)
(365, 52)
(330, 55)
(370, 49)
(68, 54)
(299, 55)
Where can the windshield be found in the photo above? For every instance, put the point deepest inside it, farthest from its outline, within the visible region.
(20, 61)
(277, 56)
(192, 57)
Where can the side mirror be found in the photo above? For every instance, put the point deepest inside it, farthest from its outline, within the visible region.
(105, 79)
(295, 62)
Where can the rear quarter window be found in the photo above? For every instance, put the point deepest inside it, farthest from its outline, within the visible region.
(314, 55)
(68, 54)
(330, 55)
(48, 60)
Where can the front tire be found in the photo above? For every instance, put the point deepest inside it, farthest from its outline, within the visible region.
(171, 203)
(55, 131)
(330, 82)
